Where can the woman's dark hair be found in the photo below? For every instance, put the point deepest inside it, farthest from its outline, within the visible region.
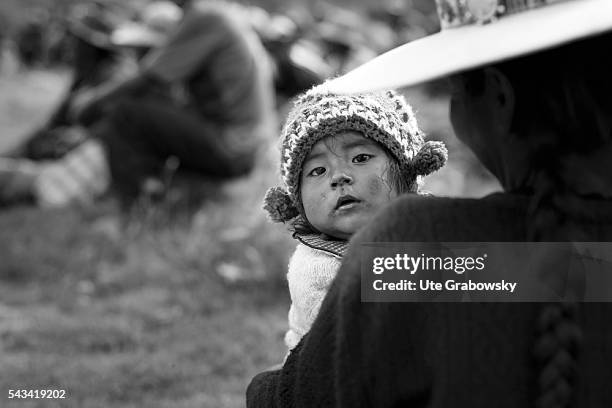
(565, 90)
(563, 104)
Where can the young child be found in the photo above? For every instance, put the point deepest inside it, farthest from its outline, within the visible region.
(342, 158)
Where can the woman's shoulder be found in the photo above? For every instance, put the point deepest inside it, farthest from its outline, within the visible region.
(496, 202)
(412, 217)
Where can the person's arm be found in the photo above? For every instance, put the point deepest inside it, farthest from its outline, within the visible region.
(356, 354)
(306, 378)
(346, 360)
(87, 102)
(202, 31)
(340, 360)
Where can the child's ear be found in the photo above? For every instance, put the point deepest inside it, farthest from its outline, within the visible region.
(431, 157)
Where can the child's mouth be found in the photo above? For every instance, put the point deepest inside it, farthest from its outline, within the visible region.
(346, 202)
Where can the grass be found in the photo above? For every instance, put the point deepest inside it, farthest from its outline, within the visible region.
(123, 313)
(151, 310)
(127, 313)
(157, 308)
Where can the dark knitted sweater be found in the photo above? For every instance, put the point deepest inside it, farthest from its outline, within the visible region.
(436, 354)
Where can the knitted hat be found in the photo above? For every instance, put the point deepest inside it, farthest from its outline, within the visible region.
(383, 116)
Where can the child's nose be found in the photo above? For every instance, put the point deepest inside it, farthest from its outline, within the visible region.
(340, 179)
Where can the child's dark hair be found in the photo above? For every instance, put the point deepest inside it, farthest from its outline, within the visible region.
(398, 180)
(565, 92)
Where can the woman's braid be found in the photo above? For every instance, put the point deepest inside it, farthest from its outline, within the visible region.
(558, 334)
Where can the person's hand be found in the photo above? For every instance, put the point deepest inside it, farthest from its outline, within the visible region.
(91, 101)
(83, 101)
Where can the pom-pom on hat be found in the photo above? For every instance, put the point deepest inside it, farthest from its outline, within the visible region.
(382, 116)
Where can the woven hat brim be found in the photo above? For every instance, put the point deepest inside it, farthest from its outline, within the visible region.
(459, 49)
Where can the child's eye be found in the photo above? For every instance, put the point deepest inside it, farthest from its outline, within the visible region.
(362, 158)
(317, 171)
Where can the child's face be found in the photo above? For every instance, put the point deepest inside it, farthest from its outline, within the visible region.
(344, 180)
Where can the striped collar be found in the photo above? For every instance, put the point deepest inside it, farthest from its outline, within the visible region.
(333, 247)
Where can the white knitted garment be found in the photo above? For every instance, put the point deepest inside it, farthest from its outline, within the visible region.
(311, 272)
(80, 176)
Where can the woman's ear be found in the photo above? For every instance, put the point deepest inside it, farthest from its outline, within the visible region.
(507, 156)
(500, 94)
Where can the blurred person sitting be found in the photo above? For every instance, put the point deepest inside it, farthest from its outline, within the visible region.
(94, 61)
(298, 62)
(220, 107)
(349, 38)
